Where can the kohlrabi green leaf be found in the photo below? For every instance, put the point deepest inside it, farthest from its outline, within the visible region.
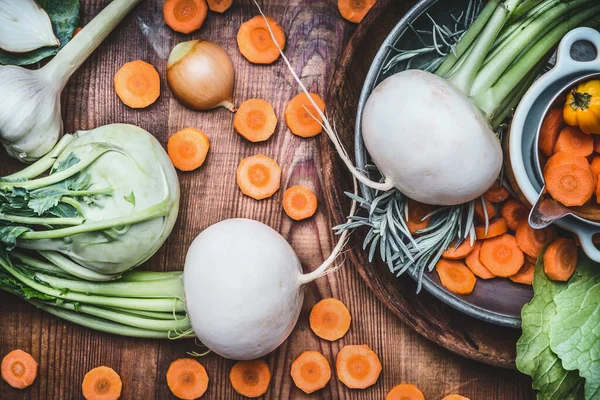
(130, 198)
(534, 356)
(575, 329)
(64, 15)
(9, 235)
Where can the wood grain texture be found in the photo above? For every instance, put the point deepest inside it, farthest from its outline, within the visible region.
(316, 37)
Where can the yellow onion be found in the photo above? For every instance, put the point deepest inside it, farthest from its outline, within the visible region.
(200, 75)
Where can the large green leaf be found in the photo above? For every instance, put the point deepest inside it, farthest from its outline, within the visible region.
(64, 15)
(534, 356)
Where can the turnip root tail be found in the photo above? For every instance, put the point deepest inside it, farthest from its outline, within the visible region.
(387, 184)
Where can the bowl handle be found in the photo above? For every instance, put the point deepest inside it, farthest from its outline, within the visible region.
(586, 236)
(564, 61)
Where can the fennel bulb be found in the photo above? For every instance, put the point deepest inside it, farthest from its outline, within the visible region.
(24, 26)
(30, 116)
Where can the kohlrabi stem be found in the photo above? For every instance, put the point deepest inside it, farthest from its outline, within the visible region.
(38, 265)
(489, 100)
(468, 38)
(79, 48)
(145, 276)
(150, 314)
(526, 9)
(72, 268)
(463, 78)
(41, 221)
(514, 28)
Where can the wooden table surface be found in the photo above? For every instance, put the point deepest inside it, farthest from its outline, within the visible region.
(316, 36)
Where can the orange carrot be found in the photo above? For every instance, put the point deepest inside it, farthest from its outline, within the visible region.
(250, 378)
(529, 259)
(572, 140)
(560, 259)
(455, 276)
(501, 255)
(187, 378)
(525, 274)
(475, 265)
(311, 371)
(596, 143)
(496, 227)
(531, 241)
(299, 203)
(330, 319)
(357, 366)
(405, 391)
(455, 397)
(258, 176)
(595, 165)
(458, 253)
(302, 118)
(19, 369)
(76, 31)
(569, 179)
(255, 42)
(354, 10)
(185, 16)
(416, 216)
(137, 84)
(513, 212)
(219, 6)
(102, 383)
(255, 120)
(188, 149)
(550, 129)
(480, 214)
(497, 193)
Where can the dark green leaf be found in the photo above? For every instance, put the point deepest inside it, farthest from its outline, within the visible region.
(45, 198)
(63, 210)
(68, 162)
(10, 234)
(64, 15)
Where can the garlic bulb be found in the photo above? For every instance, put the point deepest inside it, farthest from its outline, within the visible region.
(30, 117)
(24, 26)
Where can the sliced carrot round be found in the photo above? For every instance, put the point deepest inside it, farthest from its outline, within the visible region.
(255, 42)
(311, 371)
(301, 117)
(188, 149)
(458, 253)
(573, 140)
(354, 10)
(219, 6)
(480, 213)
(501, 255)
(185, 16)
(102, 383)
(299, 203)
(258, 176)
(525, 274)
(330, 319)
(475, 265)
(357, 366)
(550, 130)
(496, 227)
(496, 194)
(513, 212)
(418, 216)
(137, 84)
(405, 391)
(455, 276)
(187, 378)
(455, 397)
(531, 241)
(560, 259)
(255, 120)
(569, 179)
(595, 165)
(19, 369)
(250, 378)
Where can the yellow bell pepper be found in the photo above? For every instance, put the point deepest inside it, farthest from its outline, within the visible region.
(582, 107)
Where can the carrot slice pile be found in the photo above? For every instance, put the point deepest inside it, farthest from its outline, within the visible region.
(258, 176)
(255, 120)
(455, 397)
(185, 16)
(299, 203)
(531, 241)
(595, 165)
(513, 212)
(19, 369)
(475, 265)
(102, 383)
(572, 140)
(525, 274)
(137, 84)
(497, 193)
(311, 371)
(357, 366)
(455, 276)
(405, 391)
(496, 227)
(301, 116)
(480, 213)
(550, 130)
(188, 148)
(330, 319)
(250, 378)
(219, 6)
(416, 216)
(354, 10)
(560, 259)
(187, 378)
(458, 253)
(569, 179)
(255, 42)
(501, 255)
(596, 143)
